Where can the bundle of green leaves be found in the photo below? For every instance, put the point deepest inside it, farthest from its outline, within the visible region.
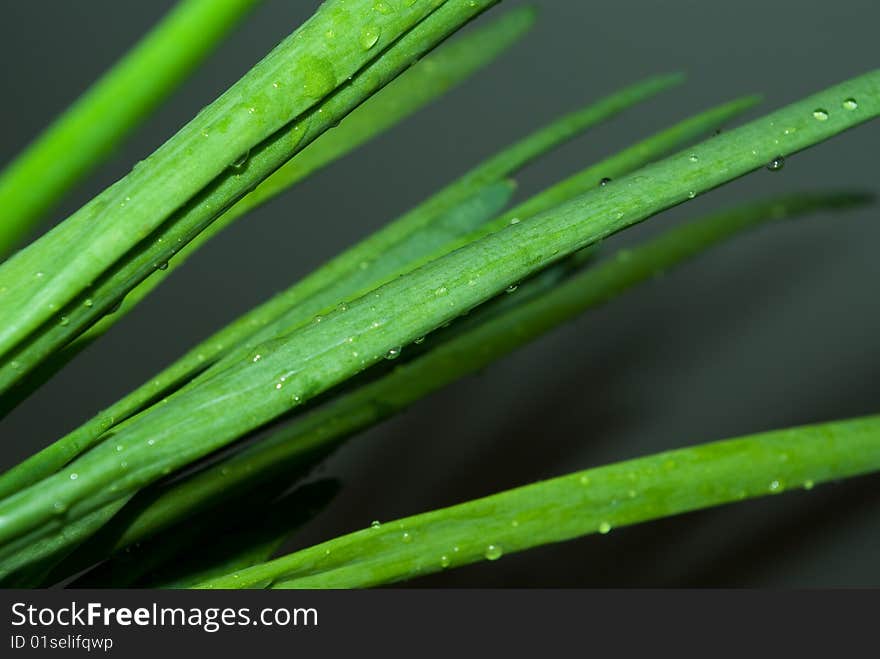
(452, 285)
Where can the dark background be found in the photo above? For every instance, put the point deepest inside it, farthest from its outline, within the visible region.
(778, 328)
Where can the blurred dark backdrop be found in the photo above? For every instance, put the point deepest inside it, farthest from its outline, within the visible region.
(779, 328)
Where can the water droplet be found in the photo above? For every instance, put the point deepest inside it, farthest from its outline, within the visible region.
(820, 115)
(775, 486)
(776, 164)
(394, 353)
(605, 181)
(406, 537)
(808, 485)
(419, 341)
(240, 162)
(604, 527)
(445, 561)
(74, 476)
(369, 37)
(584, 480)
(163, 265)
(512, 288)
(693, 157)
(88, 302)
(493, 552)
(151, 442)
(514, 220)
(59, 507)
(375, 524)
(692, 194)
(64, 321)
(441, 291)
(318, 319)
(850, 104)
(257, 357)
(38, 275)
(119, 447)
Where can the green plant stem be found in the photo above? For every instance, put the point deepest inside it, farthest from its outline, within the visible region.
(621, 163)
(421, 84)
(472, 212)
(282, 374)
(92, 127)
(591, 501)
(298, 74)
(492, 332)
(371, 252)
(101, 296)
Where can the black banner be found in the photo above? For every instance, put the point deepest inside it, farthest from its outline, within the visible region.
(416, 623)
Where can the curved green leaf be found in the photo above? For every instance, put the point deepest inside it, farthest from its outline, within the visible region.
(592, 501)
(281, 375)
(109, 110)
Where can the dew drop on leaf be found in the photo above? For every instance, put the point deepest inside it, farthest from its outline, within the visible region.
(604, 527)
(820, 115)
(605, 181)
(776, 164)
(394, 353)
(240, 162)
(850, 104)
(369, 37)
(493, 552)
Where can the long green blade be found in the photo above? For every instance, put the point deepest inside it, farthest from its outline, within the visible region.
(494, 331)
(447, 227)
(371, 252)
(592, 501)
(424, 82)
(91, 128)
(281, 375)
(101, 296)
(301, 71)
